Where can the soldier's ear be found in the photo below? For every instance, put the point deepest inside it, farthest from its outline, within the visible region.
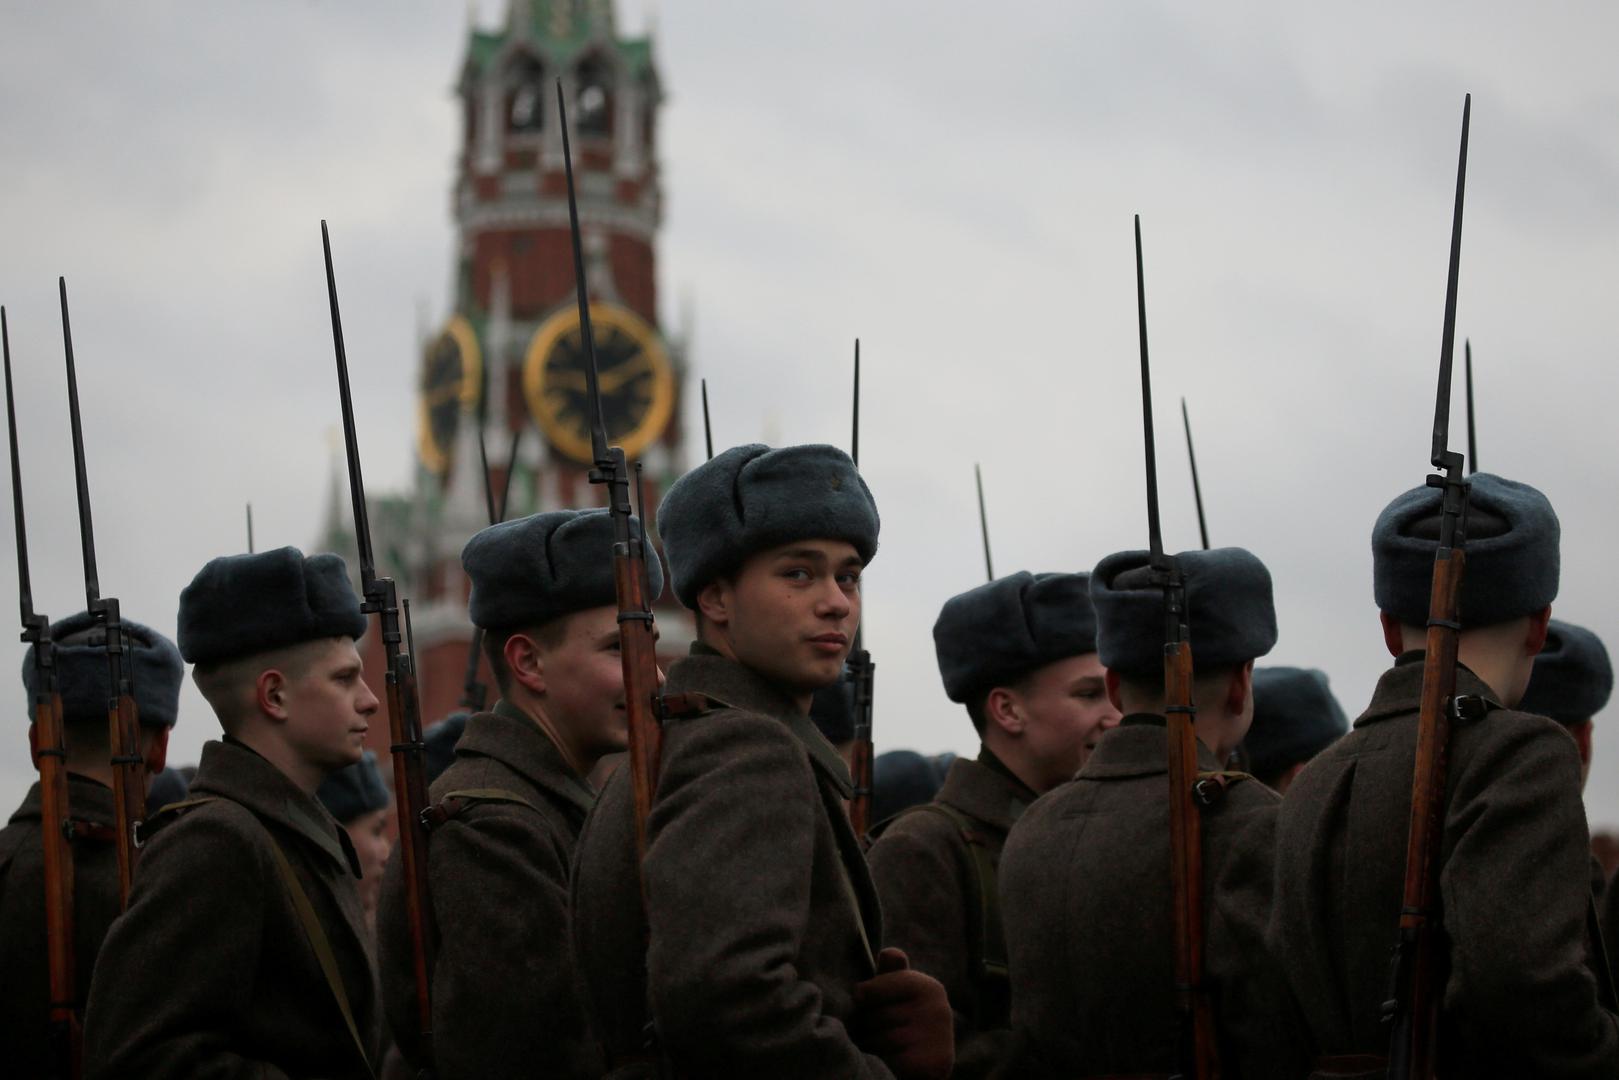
(1110, 679)
(1002, 709)
(525, 663)
(270, 693)
(1393, 636)
(1539, 623)
(1240, 688)
(714, 603)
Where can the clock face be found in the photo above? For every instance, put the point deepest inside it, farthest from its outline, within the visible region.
(636, 382)
(452, 378)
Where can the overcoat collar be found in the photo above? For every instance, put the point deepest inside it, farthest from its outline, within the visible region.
(1137, 747)
(231, 770)
(727, 682)
(985, 793)
(87, 800)
(1399, 690)
(511, 737)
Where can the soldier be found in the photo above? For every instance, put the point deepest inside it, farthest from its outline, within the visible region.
(1020, 654)
(509, 808)
(1087, 868)
(1295, 718)
(1571, 682)
(756, 951)
(1520, 994)
(248, 886)
(356, 796)
(83, 682)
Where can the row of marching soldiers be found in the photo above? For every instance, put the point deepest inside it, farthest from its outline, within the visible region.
(1017, 925)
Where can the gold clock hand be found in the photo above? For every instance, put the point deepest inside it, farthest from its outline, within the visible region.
(614, 378)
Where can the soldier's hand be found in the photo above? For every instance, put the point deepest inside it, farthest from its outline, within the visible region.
(904, 1017)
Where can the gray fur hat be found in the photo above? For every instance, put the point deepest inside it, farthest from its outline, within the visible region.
(1572, 678)
(541, 567)
(997, 633)
(752, 498)
(1295, 718)
(354, 790)
(1230, 613)
(1512, 553)
(240, 605)
(80, 648)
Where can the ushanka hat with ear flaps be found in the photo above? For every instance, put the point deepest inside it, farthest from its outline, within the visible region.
(1572, 679)
(1295, 718)
(541, 567)
(241, 605)
(997, 633)
(79, 647)
(354, 790)
(1230, 613)
(1512, 544)
(752, 498)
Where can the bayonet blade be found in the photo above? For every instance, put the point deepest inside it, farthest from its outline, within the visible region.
(351, 442)
(708, 429)
(25, 588)
(1472, 434)
(1442, 456)
(1154, 532)
(854, 441)
(598, 426)
(87, 529)
(1197, 487)
(983, 523)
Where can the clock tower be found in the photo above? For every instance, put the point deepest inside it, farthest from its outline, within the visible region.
(508, 361)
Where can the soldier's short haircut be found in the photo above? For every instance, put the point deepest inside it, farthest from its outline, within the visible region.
(1151, 684)
(547, 635)
(228, 685)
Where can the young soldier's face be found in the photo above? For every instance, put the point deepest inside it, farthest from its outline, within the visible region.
(329, 706)
(791, 612)
(1067, 709)
(584, 682)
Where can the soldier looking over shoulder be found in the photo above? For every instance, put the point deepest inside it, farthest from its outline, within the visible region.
(1524, 992)
(1020, 654)
(756, 950)
(82, 679)
(247, 886)
(508, 810)
(1087, 868)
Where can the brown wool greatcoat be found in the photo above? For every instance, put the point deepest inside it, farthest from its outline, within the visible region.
(25, 986)
(1085, 887)
(1515, 890)
(505, 1000)
(211, 972)
(758, 899)
(927, 877)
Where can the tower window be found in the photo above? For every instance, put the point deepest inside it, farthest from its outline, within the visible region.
(595, 101)
(525, 103)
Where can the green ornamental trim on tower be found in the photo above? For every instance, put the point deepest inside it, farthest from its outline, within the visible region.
(558, 30)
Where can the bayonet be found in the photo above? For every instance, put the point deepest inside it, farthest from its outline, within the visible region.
(128, 768)
(474, 694)
(643, 699)
(250, 528)
(1197, 1049)
(1197, 488)
(1472, 435)
(65, 1035)
(708, 428)
(1416, 980)
(380, 598)
(983, 523)
(861, 673)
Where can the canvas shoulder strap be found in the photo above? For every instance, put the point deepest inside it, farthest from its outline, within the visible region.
(456, 803)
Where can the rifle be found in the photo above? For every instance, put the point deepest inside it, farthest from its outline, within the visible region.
(474, 694)
(643, 701)
(66, 1035)
(983, 524)
(708, 429)
(380, 597)
(1416, 983)
(1472, 438)
(862, 674)
(1197, 488)
(128, 768)
(1197, 1050)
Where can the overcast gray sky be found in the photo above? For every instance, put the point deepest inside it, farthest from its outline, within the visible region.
(952, 181)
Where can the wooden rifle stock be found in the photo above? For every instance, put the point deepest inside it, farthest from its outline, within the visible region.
(128, 788)
(410, 795)
(1199, 1051)
(1413, 1005)
(66, 1032)
(638, 648)
(862, 674)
